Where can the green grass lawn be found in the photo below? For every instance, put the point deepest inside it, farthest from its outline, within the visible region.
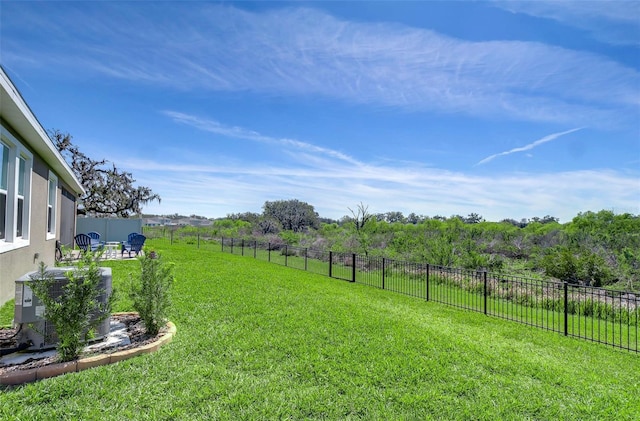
(260, 341)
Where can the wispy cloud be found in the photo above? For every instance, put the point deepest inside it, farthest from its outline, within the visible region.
(615, 22)
(528, 147)
(306, 52)
(214, 126)
(332, 185)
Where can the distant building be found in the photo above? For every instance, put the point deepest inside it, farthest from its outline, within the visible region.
(156, 221)
(160, 221)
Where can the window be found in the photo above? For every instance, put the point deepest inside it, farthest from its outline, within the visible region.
(4, 188)
(51, 205)
(20, 216)
(16, 163)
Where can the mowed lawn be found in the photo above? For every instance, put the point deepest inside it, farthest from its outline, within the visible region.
(260, 341)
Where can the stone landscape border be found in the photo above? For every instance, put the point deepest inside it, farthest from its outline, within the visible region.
(18, 377)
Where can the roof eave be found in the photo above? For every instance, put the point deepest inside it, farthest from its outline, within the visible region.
(16, 112)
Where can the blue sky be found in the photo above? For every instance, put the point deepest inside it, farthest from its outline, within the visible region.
(506, 109)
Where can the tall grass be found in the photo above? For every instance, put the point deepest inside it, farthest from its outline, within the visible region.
(259, 341)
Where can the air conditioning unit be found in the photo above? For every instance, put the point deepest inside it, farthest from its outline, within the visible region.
(29, 310)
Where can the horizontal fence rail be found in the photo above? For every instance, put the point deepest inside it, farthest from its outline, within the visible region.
(594, 314)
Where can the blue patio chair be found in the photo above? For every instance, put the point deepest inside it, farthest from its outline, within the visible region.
(130, 236)
(83, 241)
(126, 245)
(95, 240)
(134, 245)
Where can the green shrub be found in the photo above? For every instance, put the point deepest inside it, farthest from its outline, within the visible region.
(574, 267)
(150, 291)
(77, 311)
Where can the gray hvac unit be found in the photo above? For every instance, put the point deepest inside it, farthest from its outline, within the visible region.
(29, 310)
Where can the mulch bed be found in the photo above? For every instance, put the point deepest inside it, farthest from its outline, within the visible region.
(135, 330)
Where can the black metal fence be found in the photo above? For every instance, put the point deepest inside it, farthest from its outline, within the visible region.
(594, 314)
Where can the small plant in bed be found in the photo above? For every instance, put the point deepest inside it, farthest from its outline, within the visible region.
(150, 291)
(77, 311)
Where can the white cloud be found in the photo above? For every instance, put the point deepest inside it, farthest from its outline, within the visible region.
(615, 22)
(333, 185)
(241, 133)
(332, 189)
(528, 147)
(306, 52)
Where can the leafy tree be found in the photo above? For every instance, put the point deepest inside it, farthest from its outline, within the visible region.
(548, 219)
(562, 264)
(292, 214)
(108, 190)
(473, 218)
(245, 216)
(584, 266)
(594, 270)
(412, 218)
(395, 216)
(268, 226)
(511, 221)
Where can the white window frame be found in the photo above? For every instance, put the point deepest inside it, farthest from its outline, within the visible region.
(4, 190)
(52, 207)
(17, 151)
(22, 196)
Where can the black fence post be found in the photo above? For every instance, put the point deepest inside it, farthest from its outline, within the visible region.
(353, 267)
(255, 248)
(427, 295)
(242, 247)
(198, 238)
(231, 245)
(566, 309)
(305, 259)
(171, 237)
(222, 243)
(330, 264)
(484, 276)
(286, 254)
(383, 270)
(269, 251)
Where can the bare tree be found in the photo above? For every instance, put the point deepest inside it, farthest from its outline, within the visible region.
(361, 220)
(361, 217)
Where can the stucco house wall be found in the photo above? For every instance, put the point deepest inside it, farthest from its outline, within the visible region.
(22, 136)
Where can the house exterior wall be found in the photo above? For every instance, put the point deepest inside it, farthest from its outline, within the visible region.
(15, 263)
(33, 164)
(68, 208)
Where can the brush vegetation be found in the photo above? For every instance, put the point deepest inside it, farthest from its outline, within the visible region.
(599, 249)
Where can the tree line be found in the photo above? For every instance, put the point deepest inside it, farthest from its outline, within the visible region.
(594, 248)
